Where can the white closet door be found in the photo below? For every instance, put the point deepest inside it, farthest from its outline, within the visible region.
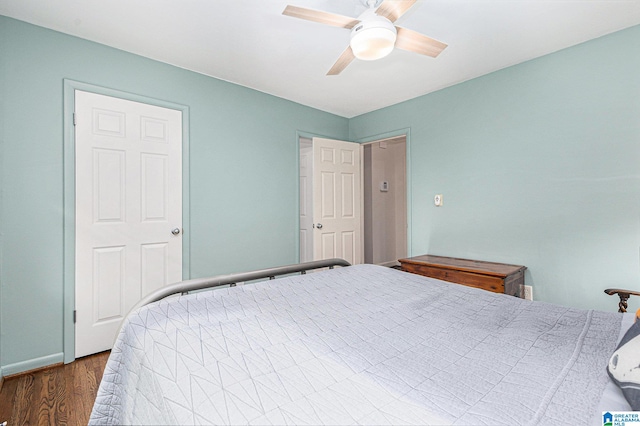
(128, 210)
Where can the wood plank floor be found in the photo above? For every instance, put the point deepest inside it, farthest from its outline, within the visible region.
(61, 395)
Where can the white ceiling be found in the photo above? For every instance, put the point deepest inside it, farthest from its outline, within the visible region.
(250, 42)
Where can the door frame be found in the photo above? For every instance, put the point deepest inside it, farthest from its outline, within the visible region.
(308, 202)
(406, 132)
(69, 203)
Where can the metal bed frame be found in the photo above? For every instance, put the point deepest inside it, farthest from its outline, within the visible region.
(184, 287)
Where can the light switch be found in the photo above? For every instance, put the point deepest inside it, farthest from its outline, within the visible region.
(437, 200)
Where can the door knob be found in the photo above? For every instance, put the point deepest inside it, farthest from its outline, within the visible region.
(175, 231)
(319, 226)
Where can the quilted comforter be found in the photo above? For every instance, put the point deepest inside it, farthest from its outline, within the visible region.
(357, 345)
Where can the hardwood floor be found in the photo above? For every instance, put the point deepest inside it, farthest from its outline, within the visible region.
(61, 395)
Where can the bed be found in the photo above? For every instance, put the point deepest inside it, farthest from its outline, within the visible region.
(361, 344)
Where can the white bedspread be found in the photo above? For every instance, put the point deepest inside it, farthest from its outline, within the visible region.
(357, 345)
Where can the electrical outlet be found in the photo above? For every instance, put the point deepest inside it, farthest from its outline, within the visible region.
(528, 292)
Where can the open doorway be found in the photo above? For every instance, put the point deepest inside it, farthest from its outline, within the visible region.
(385, 201)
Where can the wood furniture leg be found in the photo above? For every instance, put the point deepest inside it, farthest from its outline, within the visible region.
(623, 295)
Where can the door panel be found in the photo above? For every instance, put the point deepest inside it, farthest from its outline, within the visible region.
(337, 200)
(348, 195)
(155, 266)
(128, 199)
(108, 178)
(154, 187)
(328, 240)
(108, 270)
(328, 195)
(349, 246)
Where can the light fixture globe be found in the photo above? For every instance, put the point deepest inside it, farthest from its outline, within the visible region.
(373, 38)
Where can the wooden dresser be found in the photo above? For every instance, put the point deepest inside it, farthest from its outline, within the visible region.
(495, 277)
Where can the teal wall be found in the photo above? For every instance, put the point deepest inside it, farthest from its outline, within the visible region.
(539, 165)
(243, 173)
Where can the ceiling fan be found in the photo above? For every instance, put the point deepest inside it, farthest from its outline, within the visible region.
(373, 35)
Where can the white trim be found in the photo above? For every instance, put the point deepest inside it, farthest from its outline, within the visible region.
(402, 137)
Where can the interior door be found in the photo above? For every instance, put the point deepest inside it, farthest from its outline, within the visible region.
(128, 210)
(337, 200)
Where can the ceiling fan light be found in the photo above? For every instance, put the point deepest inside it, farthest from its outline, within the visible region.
(373, 39)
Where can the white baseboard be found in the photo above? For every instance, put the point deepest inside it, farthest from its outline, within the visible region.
(31, 364)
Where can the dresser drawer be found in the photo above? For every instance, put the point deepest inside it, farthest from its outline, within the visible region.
(484, 282)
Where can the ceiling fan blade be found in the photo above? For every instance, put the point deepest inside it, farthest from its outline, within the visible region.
(342, 62)
(321, 17)
(394, 9)
(418, 43)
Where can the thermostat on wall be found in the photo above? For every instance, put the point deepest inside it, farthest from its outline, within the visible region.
(384, 186)
(437, 200)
